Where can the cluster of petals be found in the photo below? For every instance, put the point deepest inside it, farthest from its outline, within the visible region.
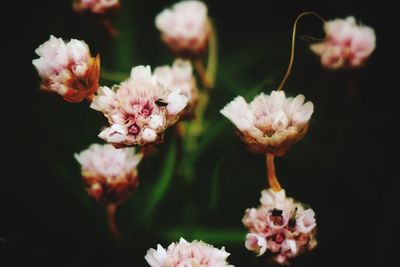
(185, 254)
(67, 68)
(180, 76)
(346, 45)
(96, 6)
(280, 226)
(109, 174)
(270, 123)
(139, 110)
(185, 28)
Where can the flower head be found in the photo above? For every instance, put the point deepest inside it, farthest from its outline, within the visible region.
(280, 226)
(67, 68)
(139, 110)
(194, 254)
(180, 76)
(185, 28)
(98, 7)
(270, 123)
(347, 44)
(110, 174)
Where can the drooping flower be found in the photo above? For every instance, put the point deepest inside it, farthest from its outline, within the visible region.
(180, 76)
(99, 7)
(110, 175)
(139, 110)
(185, 254)
(280, 226)
(347, 44)
(67, 68)
(185, 28)
(270, 123)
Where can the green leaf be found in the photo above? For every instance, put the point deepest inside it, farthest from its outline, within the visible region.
(164, 179)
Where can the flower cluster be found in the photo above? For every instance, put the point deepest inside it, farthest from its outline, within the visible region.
(270, 123)
(194, 254)
(281, 226)
(109, 174)
(99, 7)
(185, 28)
(139, 109)
(67, 69)
(180, 76)
(347, 44)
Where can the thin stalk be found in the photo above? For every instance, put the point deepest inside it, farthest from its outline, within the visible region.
(271, 175)
(111, 210)
(289, 69)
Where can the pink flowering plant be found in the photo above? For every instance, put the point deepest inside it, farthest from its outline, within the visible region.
(170, 134)
(347, 44)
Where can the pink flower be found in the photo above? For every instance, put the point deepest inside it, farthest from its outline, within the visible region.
(185, 254)
(347, 44)
(279, 226)
(185, 28)
(139, 110)
(110, 174)
(67, 68)
(270, 123)
(180, 76)
(96, 6)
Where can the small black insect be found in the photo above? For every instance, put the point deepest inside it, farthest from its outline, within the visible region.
(276, 212)
(161, 103)
(292, 222)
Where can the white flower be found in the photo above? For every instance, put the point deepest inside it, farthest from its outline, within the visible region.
(139, 110)
(182, 254)
(185, 27)
(67, 68)
(281, 226)
(270, 123)
(180, 76)
(346, 45)
(110, 174)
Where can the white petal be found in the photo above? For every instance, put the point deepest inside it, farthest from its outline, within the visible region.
(238, 113)
(149, 135)
(280, 121)
(176, 102)
(256, 243)
(156, 121)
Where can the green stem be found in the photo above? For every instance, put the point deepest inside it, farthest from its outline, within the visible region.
(212, 61)
(113, 75)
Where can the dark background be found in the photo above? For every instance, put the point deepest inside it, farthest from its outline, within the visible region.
(341, 168)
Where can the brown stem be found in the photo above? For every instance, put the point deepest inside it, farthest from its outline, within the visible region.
(289, 69)
(272, 179)
(199, 67)
(110, 28)
(111, 209)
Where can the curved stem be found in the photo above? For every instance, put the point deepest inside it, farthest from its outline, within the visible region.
(271, 176)
(111, 210)
(280, 87)
(199, 67)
